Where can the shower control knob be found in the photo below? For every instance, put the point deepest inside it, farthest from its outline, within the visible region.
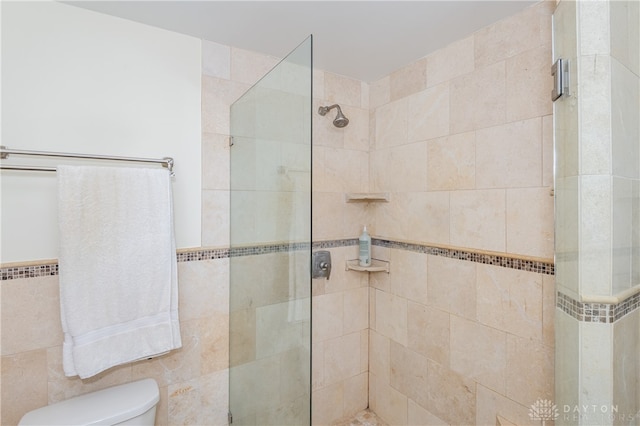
(321, 264)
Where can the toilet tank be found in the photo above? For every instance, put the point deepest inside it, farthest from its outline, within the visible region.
(131, 403)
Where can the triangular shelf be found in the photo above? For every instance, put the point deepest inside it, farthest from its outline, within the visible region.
(367, 197)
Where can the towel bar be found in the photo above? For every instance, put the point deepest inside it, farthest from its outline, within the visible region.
(5, 152)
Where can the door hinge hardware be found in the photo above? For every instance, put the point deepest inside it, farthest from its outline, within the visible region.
(560, 73)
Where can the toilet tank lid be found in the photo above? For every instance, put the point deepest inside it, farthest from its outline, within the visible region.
(105, 407)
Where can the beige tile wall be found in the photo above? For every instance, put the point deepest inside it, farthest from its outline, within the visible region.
(340, 157)
(463, 143)
(340, 341)
(340, 338)
(626, 346)
(479, 331)
(225, 78)
(193, 380)
(598, 183)
(473, 127)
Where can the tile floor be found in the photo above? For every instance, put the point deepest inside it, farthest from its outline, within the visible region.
(363, 418)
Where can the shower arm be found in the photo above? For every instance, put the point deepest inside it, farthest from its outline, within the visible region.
(323, 110)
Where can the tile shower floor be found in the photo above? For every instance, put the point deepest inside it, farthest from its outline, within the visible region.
(363, 418)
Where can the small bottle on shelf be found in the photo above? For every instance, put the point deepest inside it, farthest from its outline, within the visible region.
(365, 248)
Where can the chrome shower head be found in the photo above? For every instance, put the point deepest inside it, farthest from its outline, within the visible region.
(340, 120)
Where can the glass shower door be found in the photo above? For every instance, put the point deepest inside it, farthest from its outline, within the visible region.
(270, 282)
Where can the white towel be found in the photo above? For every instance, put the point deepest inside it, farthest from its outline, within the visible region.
(118, 270)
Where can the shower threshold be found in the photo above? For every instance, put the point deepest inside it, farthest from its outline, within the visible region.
(363, 418)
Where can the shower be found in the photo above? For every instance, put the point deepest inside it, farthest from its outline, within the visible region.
(340, 120)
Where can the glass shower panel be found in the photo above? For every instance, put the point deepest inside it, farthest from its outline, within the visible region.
(270, 283)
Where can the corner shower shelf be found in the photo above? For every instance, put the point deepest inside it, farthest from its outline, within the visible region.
(367, 197)
(376, 266)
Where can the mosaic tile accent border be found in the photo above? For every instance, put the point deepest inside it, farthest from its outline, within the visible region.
(262, 249)
(587, 312)
(336, 243)
(597, 312)
(206, 254)
(266, 249)
(546, 268)
(19, 272)
(223, 253)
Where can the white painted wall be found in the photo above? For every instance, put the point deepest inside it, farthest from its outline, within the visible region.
(79, 81)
